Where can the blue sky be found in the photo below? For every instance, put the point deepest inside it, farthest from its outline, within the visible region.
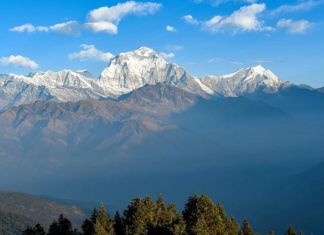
(204, 36)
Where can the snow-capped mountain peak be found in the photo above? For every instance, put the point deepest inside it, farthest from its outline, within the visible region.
(145, 51)
(245, 80)
(139, 53)
(135, 69)
(265, 73)
(258, 69)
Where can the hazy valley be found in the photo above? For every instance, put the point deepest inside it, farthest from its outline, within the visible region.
(146, 126)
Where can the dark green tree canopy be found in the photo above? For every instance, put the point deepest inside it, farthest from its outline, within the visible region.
(144, 216)
(291, 231)
(203, 217)
(36, 230)
(104, 224)
(247, 228)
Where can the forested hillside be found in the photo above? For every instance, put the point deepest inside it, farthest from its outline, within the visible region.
(144, 216)
(18, 210)
(11, 224)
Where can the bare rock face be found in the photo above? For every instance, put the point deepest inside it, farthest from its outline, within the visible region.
(99, 123)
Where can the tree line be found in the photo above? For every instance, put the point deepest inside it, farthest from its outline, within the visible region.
(144, 216)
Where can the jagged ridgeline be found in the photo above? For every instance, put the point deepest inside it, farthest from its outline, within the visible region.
(126, 73)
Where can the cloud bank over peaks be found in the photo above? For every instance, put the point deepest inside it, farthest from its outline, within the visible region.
(104, 19)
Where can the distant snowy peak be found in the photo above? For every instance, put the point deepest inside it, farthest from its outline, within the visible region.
(245, 81)
(135, 69)
(61, 86)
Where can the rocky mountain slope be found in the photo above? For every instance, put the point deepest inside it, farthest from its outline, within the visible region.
(100, 123)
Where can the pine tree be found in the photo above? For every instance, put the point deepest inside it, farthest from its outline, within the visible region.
(118, 224)
(87, 227)
(88, 224)
(54, 228)
(39, 230)
(103, 225)
(232, 227)
(164, 216)
(36, 230)
(291, 231)
(63, 227)
(247, 228)
(139, 216)
(202, 217)
(166, 221)
(178, 226)
(94, 216)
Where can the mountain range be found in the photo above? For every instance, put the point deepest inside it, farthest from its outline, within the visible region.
(146, 126)
(126, 73)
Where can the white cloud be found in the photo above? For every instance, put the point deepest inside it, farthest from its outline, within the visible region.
(300, 6)
(244, 19)
(294, 26)
(90, 52)
(190, 20)
(117, 12)
(102, 26)
(28, 28)
(167, 55)
(69, 28)
(114, 14)
(171, 29)
(103, 19)
(18, 61)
